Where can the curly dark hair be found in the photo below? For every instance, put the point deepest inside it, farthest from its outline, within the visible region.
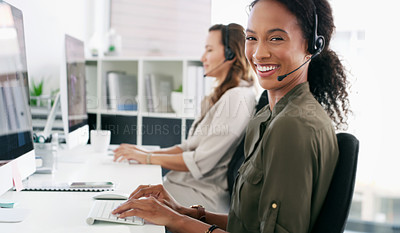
(326, 74)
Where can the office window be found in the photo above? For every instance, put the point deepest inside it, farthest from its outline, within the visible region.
(389, 209)
(359, 41)
(161, 27)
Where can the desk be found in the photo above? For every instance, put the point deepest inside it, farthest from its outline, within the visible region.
(59, 212)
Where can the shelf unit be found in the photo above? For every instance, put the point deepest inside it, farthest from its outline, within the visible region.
(163, 129)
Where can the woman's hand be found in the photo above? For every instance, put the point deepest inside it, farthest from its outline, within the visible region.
(150, 209)
(153, 211)
(129, 152)
(131, 146)
(159, 193)
(154, 204)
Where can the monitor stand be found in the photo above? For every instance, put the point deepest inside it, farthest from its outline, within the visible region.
(13, 215)
(52, 116)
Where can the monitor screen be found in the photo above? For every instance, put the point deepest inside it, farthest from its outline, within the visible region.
(76, 83)
(15, 117)
(17, 157)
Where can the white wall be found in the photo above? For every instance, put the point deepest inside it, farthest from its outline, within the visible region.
(46, 22)
(230, 11)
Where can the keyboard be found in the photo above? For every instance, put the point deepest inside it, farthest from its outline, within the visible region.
(101, 211)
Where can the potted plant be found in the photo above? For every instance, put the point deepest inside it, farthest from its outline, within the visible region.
(177, 100)
(36, 90)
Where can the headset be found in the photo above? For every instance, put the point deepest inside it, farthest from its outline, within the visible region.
(317, 42)
(229, 54)
(315, 45)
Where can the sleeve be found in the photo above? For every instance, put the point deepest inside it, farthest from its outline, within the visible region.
(229, 119)
(184, 145)
(290, 165)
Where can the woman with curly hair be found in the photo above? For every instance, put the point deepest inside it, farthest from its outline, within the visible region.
(291, 148)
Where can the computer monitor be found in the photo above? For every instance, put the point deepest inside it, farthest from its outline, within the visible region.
(17, 157)
(73, 93)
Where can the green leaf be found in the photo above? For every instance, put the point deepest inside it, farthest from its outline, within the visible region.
(180, 89)
(36, 89)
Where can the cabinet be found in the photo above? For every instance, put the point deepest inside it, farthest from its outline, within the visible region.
(140, 126)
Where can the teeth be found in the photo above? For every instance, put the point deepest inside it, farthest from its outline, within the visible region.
(266, 68)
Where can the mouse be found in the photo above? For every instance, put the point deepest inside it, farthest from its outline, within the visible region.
(111, 195)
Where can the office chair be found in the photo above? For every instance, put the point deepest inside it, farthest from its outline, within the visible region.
(238, 156)
(335, 210)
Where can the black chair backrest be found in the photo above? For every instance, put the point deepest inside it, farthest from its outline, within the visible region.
(335, 210)
(238, 156)
(263, 101)
(234, 165)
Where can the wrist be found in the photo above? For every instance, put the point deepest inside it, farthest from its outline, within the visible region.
(148, 157)
(187, 211)
(177, 222)
(200, 213)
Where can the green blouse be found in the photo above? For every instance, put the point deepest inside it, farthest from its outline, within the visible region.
(291, 153)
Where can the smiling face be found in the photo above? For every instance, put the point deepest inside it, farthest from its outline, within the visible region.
(275, 46)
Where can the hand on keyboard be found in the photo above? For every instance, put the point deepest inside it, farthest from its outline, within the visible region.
(150, 209)
(101, 211)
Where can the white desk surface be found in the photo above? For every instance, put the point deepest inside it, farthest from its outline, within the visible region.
(60, 212)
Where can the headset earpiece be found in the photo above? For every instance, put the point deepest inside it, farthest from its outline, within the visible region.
(317, 42)
(229, 54)
(315, 46)
(320, 44)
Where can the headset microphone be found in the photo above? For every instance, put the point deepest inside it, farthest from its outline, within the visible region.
(228, 52)
(205, 75)
(281, 77)
(315, 46)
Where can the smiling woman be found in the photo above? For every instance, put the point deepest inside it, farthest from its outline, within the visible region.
(275, 46)
(269, 43)
(290, 147)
